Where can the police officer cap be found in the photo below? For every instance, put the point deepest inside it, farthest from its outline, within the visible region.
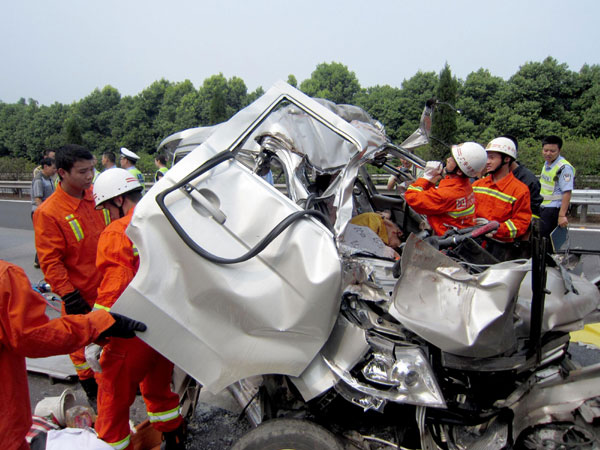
(129, 154)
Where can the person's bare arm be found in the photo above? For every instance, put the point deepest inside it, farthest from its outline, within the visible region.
(564, 207)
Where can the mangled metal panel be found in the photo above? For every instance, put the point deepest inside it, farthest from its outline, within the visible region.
(461, 313)
(564, 309)
(222, 323)
(307, 136)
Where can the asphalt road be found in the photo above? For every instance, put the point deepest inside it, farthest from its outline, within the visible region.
(213, 428)
(17, 245)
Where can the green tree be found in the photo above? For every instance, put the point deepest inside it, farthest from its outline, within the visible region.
(45, 130)
(384, 103)
(175, 113)
(444, 119)
(478, 99)
(221, 98)
(72, 131)
(415, 93)
(188, 112)
(540, 95)
(587, 102)
(332, 81)
(95, 114)
(258, 92)
(292, 80)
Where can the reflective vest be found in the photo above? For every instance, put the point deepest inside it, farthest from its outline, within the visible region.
(162, 170)
(134, 171)
(548, 180)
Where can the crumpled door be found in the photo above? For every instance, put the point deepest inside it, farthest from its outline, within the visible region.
(221, 323)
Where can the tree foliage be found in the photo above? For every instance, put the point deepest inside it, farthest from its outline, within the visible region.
(444, 123)
(540, 98)
(333, 82)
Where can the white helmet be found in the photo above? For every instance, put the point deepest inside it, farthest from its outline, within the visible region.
(112, 183)
(470, 158)
(503, 145)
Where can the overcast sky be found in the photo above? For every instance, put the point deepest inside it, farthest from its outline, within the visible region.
(61, 50)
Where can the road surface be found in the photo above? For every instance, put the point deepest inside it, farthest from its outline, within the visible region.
(212, 428)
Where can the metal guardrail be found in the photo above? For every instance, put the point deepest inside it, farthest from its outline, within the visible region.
(23, 188)
(581, 198)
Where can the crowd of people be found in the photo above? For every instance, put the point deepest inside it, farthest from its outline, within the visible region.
(80, 216)
(479, 185)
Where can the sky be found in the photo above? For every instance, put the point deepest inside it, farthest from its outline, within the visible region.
(61, 50)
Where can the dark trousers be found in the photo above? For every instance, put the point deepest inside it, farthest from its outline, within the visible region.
(548, 220)
(36, 262)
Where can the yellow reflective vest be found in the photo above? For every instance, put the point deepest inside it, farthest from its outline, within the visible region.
(548, 180)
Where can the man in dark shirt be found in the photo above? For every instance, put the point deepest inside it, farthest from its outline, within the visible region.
(526, 176)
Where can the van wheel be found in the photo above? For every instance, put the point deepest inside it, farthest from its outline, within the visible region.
(288, 434)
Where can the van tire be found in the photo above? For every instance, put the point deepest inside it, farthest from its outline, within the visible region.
(288, 434)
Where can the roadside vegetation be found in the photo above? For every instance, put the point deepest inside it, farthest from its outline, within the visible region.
(540, 98)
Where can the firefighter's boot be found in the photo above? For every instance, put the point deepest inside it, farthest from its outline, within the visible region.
(174, 440)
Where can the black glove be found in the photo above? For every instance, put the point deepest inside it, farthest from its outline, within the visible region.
(75, 303)
(124, 327)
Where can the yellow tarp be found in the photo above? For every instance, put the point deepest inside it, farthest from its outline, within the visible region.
(589, 335)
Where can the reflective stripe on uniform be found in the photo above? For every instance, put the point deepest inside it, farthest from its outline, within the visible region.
(164, 416)
(494, 193)
(414, 188)
(512, 229)
(123, 443)
(106, 216)
(102, 307)
(465, 212)
(74, 223)
(82, 366)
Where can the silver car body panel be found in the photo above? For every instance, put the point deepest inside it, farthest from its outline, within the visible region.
(279, 312)
(346, 347)
(274, 312)
(564, 310)
(478, 315)
(461, 313)
(556, 399)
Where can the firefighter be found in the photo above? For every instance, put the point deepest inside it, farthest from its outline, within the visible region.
(26, 331)
(451, 203)
(501, 197)
(125, 365)
(67, 227)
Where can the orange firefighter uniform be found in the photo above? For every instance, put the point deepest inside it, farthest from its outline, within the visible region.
(507, 202)
(128, 363)
(26, 331)
(66, 237)
(451, 204)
